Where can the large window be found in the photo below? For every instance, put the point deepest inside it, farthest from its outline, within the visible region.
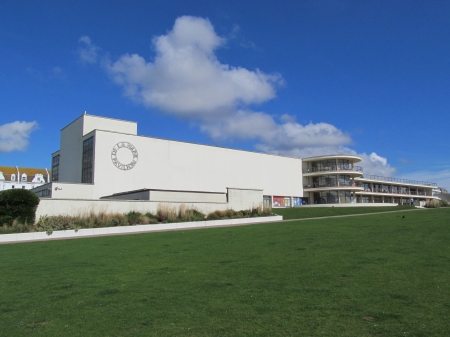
(55, 168)
(267, 201)
(324, 165)
(326, 197)
(324, 181)
(344, 180)
(88, 161)
(345, 197)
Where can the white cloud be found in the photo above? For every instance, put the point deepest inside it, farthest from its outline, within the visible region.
(186, 78)
(14, 136)
(87, 51)
(373, 164)
(274, 137)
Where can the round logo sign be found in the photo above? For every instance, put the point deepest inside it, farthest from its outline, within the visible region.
(124, 156)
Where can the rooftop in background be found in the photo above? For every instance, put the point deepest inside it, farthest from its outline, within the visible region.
(27, 170)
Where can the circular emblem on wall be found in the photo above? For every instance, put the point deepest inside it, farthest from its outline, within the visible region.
(124, 156)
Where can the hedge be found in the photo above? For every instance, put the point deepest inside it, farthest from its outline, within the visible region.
(18, 204)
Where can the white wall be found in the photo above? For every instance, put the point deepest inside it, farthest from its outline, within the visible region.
(171, 165)
(67, 190)
(237, 200)
(91, 123)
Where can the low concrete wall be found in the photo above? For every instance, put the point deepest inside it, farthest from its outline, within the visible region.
(238, 199)
(88, 232)
(82, 207)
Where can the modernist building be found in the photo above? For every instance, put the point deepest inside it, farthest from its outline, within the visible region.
(105, 159)
(21, 177)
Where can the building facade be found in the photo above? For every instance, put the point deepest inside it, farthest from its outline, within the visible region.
(12, 177)
(105, 159)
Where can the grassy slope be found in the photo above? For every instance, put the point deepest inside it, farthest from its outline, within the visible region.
(377, 275)
(315, 212)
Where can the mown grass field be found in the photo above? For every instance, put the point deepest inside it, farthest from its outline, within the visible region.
(374, 275)
(317, 212)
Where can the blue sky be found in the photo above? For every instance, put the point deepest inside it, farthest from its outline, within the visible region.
(296, 78)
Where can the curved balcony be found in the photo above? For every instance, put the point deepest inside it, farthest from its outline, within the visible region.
(334, 186)
(344, 169)
(392, 193)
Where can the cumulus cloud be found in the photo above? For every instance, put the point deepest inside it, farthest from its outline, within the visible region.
(373, 164)
(87, 51)
(14, 136)
(273, 136)
(187, 79)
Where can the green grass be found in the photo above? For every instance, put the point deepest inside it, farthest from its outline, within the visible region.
(316, 212)
(375, 275)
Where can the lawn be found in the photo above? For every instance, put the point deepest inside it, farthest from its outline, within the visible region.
(316, 212)
(375, 275)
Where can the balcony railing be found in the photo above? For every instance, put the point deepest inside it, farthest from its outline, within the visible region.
(337, 168)
(332, 185)
(374, 190)
(398, 180)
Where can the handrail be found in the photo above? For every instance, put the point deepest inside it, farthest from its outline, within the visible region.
(334, 168)
(398, 180)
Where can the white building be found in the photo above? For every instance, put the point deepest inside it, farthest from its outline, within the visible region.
(103, 164)
(24, 178)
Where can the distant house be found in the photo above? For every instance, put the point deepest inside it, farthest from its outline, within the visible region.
(23, 178)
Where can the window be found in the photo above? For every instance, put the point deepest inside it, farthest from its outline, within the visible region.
(23, 187)
(24, 177)
(296, 201)
(88, 161)
(43, 193)
(326, 197)
(324, 181)
(344, 180)
(287, 202)
(267, 201)
(13, 177)
(345, 197)
(55, 168)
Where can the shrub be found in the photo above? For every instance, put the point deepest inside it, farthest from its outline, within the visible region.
(434, 203)
(18, 204)
(134, 218)
(166, 213)
(49, 224)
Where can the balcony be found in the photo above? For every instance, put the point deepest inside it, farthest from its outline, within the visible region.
(340, 185)
(339, 168)
(398, 180)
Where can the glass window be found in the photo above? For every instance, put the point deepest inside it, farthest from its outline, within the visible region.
(287, 202)
(377, 199)
(296, 201)
(344, 164)
(344, 180)
(267, 201)
(345, 197)
(324, 181)
(55, 168)
(326, 197)
(88, 161)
